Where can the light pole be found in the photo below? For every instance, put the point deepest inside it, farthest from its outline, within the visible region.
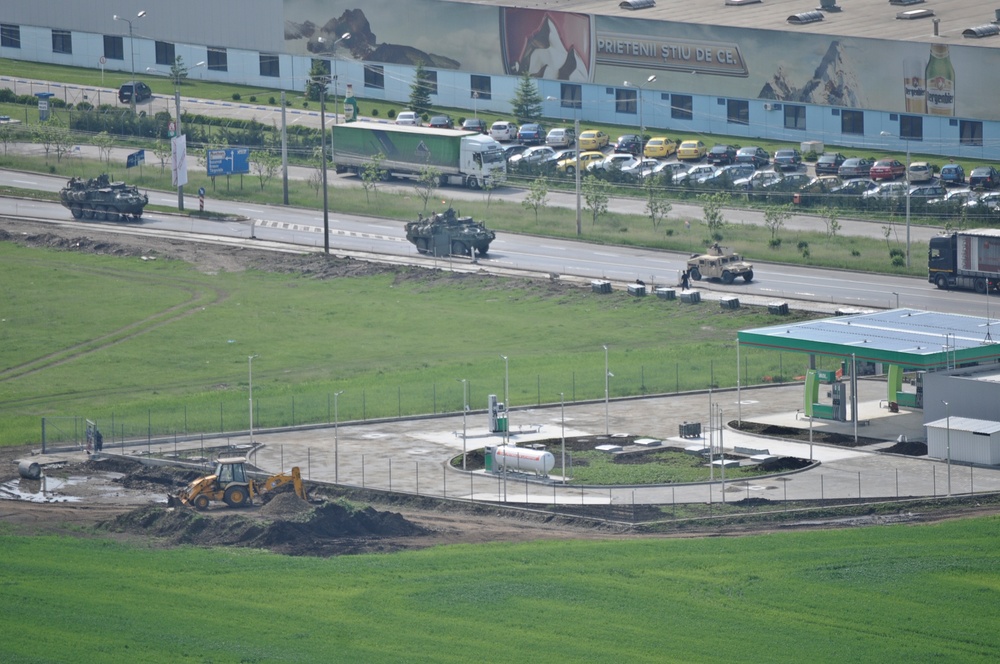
(907, 176)
(576, 168)
(336, 439)
(131, 47)
(475, 104)
(325, 81)
(947, 424)
(176, 75)
(506, 398)
(562, 404)
(336, 80)
(607, 377)
(465, 409)
(640, 86)
(250, 381)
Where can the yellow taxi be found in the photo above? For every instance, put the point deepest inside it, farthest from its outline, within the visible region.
(568, 166)
(693, 150)
(659, 146)
(592, 140)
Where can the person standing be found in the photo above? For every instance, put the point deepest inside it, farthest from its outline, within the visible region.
(684, 279)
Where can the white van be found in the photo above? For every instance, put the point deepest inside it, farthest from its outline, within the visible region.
(501, 130)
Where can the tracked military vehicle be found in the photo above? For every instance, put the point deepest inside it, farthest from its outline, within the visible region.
(719, 263)
(102, 200)
(447, 233)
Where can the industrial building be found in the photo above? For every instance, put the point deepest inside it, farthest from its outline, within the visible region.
(910, 75)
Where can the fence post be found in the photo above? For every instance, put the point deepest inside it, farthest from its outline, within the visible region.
(309, 471)
(859, 485)
(390, 474)
(417, 464)
(444, 473)
(362, 471)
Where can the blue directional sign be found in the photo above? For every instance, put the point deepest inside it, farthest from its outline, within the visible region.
(227, 161)
(135, 159)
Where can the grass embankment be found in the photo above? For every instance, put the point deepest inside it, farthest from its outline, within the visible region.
(156, 346)
(922, 593)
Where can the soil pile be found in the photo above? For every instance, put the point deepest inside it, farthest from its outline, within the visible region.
(286, 525)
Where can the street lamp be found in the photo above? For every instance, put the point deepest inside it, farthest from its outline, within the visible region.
(576, 168)
(640, 86)
(336, 439)
(250, 380)
(131, 47)
(947, 423)
(607, 376)
(562, 404)
(465, 410)
(176, 74)
(907, 138)
(506, 398)
(325, 81)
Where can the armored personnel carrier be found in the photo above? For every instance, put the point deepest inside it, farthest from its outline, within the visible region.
(102, 200)
(719, 263)
(447, 233)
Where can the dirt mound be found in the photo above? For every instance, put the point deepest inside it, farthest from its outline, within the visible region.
(289, 526)
(908, 448)
(792, 433)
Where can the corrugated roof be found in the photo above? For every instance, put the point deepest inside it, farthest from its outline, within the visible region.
(968, 424)
(908, 337)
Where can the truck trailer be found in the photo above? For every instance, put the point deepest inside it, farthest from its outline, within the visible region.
(463, 158)
(965, 259)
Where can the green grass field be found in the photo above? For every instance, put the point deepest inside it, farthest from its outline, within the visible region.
(886, 594)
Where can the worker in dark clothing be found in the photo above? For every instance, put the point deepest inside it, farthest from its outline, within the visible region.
(684, 279)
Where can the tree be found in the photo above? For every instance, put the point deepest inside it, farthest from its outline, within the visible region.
(527, 103)
(711, 205)
(538, 196)
(319, 79)
(316, 176)
(657, 206)
(43, 135)
(371, 175)
(830, 219)
(62, 140)
(428, 181)
(6, 135)
(596, 194)
(420, 92)
(775, 217)
(178, 72)
(265, 164)
(105, 142)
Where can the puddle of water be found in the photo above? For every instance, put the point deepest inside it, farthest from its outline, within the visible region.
(36, 491)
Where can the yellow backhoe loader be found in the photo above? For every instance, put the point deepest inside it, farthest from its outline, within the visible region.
(231, 484)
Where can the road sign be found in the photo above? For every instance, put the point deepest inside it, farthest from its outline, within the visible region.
(171, 129)
(103, 60)
(201, 191)
(227, 161)
(136, 158)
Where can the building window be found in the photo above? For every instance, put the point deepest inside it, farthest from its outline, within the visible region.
(737, 111)
(795, 117)
(10, 36)
(681, 107)
(911, 127)
(626, 101)
(483, 85)
(375, 77)
(62, 42)
(269, 66)
(114, 48)
(852, 122)
(165, 54)
(571, 95)
(431, 81)
(971, 132)
(218, 59)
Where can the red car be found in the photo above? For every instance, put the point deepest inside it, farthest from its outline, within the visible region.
(887, 169)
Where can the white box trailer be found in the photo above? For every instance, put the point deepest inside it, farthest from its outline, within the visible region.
(972, 440)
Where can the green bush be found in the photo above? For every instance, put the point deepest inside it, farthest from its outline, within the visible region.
(391, 113)
(271, 100)
(898, 261)
(236, 96)
(253, 99)
(774, 243)
(810, 156)
(374, 112)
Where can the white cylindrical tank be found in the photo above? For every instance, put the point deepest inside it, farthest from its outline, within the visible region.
(523, 459)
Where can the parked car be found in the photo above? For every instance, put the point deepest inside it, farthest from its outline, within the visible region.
(886, 190)
(691, 151)
(983, 177)
(617, 160)
(953, 174)
(728, 174)
(659, 146)
(568, 166)
(855, 167)
(753, 155)
(641, 167)
(822, 184)
(513, 150)
(531, 134)
(887, 169)
(560, 136)
(987, 201)
(787, 160)
(756, 180)
(593, 139)
(631, 143)
(693, 173)
(920, 171)
(558, 156)
(720, 155)
(674, 168)
(789, 182)
(142, 92)
(953, 199)
(927, 192)
(408, 118)
(829, 163)
(476, 124)
(533, 155)
(441, 122)
(854, 187)
(501, 130)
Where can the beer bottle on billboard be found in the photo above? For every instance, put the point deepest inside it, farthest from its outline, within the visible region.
(914, 88)
(940, 81)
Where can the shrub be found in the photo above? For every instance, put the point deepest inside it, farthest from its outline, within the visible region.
(802, 245)
(810, 156)
(253, 99)
(774, 243)
(898, 261)
(391, 113)
(896, 252)
(305, 104)
(374, 112)
(855, 253)
(236, 96)
(271, 100)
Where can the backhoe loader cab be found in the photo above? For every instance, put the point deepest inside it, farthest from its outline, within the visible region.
(232, 485)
